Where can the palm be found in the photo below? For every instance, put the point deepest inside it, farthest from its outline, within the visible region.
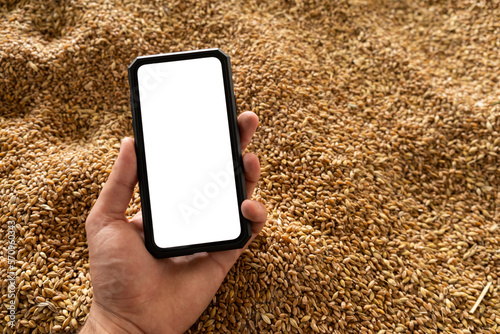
(135, 282)
(157, 295)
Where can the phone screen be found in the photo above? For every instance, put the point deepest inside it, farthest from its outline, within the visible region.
(187, 147)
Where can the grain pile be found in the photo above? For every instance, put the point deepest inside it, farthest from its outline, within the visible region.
(379, 144)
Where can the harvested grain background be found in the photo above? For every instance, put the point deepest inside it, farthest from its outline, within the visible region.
(379, 144)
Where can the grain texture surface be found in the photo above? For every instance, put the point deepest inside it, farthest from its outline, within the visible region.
(379, 141)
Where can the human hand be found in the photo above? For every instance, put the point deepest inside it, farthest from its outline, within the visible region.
(137, 293)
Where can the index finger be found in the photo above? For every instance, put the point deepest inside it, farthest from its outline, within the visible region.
(247, 123)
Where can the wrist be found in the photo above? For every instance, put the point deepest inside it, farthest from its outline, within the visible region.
(100, 320)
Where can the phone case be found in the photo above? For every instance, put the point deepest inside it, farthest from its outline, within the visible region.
(245, 226)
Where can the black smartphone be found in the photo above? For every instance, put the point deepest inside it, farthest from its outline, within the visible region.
(190, 170)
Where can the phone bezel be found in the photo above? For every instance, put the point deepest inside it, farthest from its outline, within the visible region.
(245, 234)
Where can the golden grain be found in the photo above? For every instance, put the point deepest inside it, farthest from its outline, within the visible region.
(379, 145)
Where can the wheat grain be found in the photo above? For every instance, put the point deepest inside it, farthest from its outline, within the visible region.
(379, 146)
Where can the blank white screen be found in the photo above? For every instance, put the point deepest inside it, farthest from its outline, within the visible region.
(188, 152)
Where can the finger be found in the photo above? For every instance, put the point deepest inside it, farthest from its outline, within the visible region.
(247, 123)
(137, 221)
(252, 172)
(117, 192)
(255, 212)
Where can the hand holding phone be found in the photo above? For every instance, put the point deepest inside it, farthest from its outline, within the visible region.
(132, 289)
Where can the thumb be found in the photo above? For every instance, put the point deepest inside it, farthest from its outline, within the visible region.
(117, 192)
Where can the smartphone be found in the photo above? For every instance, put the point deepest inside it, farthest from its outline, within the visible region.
(190, 169)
